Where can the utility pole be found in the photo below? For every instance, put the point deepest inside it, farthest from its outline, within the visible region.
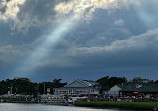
(44, 88)
(37, 89)
(11, 89)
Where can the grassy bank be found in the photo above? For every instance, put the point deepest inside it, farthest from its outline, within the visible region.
(125, 105)
(18, 100)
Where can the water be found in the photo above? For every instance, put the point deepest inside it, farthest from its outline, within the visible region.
(42, 107)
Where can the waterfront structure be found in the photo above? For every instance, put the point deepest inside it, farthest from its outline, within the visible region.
(78, 87)
(146, 89)
(114, 91)
(132, 89)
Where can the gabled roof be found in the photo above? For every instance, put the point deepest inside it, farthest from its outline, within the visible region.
(84, 83)
(146, 87)
(89, 82)
(73, 88)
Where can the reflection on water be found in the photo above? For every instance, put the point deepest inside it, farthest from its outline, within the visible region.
(41, 107)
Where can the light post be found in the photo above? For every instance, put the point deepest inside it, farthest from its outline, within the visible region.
(11, 90)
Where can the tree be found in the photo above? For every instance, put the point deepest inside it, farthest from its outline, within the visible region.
(156, 81)
(104, 83)
(107, 82)
(139, 80)
(56, 83)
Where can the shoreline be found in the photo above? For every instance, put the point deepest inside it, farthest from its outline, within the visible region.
(121, 105)
(137, 106)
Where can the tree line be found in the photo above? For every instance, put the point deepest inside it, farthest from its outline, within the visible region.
(108, 82)
(26, 87)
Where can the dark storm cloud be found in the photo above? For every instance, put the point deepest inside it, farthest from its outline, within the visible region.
(136, 53)
(118, 41)
(35, 13)
(28, 13)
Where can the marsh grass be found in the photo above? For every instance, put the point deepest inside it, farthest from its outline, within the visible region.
(124, 105)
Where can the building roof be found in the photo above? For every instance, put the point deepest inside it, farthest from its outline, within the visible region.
(83, 83)
(73, 88)
(88, 82)
(146, 87)
(80, 84)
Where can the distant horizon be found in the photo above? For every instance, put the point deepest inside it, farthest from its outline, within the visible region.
(63, 80)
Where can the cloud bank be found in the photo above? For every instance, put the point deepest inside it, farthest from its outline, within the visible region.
(114, 37)
(9, 9)
(86, 8)
(48, 12)
(133, 52)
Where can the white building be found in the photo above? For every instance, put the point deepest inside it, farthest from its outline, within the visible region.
(114, 91)
(78, 87)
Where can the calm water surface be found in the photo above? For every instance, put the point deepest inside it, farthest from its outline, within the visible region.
(41, 107)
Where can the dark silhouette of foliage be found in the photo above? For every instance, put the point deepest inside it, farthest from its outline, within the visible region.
(139, 80)
(26, 87)
(108, 82)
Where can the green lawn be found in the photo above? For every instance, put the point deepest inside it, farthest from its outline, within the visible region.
(125, 105)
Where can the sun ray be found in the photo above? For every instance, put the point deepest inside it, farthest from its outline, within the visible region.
(76, 9)
(51, 40)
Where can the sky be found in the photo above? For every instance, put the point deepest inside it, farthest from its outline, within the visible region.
(78, 39)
